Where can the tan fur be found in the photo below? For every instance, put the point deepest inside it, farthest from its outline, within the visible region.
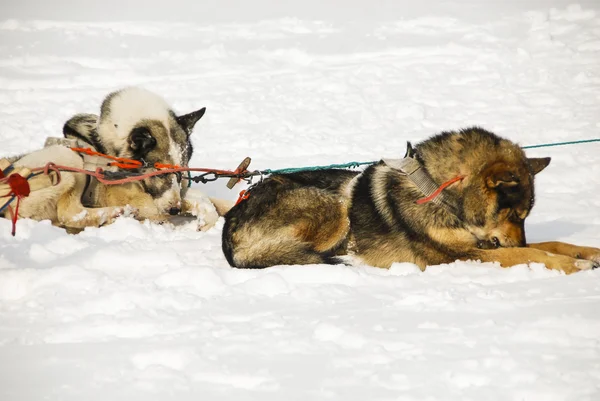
(296, 218)
(379, 189)
(573, 251)
(389, 253)
(222, 205)
(508, 257)
(133, 123)
(325, 235)
(61, 203)
(456, 238)
(312, 217)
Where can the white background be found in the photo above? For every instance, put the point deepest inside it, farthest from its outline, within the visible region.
(139, 311)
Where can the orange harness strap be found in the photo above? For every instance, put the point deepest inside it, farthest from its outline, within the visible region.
(120, 162)
(438, 191)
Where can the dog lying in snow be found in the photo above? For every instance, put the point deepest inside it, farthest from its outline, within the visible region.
(395, 211)
(133, 123)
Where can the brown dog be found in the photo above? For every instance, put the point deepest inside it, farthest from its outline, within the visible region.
(379, 215)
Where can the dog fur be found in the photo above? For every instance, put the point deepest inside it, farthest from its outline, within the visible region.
(314, 217)
(133, 123)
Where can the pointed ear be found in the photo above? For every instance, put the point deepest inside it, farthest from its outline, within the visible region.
(499, 176)
(538, 164)
(410, 152)
(187, 121)
(141, 141)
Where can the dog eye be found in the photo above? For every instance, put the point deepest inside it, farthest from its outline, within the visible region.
(495, 242)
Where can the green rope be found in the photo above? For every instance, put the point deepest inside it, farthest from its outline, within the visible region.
(315, 168)
(358, 164)
(545, 145)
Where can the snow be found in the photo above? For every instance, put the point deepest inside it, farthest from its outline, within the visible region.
(142, 311)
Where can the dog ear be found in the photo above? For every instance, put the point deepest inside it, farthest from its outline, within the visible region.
(499, 176)
(141, 141)
(187, 121)
(538, 164)
(410, 152)
(502, 180)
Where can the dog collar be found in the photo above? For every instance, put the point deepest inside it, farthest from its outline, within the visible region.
(418, 175)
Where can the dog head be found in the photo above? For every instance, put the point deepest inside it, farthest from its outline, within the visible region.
(140, 125)
(497, 201)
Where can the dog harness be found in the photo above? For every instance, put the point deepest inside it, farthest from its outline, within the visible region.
(89, 197)
(412, 168)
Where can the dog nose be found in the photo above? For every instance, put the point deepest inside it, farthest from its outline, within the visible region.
(174, 211)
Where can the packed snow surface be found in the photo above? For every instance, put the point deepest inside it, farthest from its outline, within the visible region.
(141, 311)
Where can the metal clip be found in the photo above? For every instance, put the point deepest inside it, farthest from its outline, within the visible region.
(240, 169)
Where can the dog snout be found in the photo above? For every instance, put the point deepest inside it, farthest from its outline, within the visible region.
(512, 234)
(175, 209)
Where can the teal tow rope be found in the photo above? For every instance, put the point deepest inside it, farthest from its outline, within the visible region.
(315, 168)
(358, 164)
(545, 145)
(247, 175)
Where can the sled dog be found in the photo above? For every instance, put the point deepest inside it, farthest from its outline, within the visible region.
(395, 211)
(134, 123)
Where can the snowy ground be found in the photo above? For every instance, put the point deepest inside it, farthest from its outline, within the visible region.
(139, 311)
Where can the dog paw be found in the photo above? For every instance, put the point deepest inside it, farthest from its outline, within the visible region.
(130, 211)
(126, 211)
(589, 253)
(108, 215)
(204, 211)
(204, 225)
(584, 264)
(569, 265)
(595, 264)
(579, 265)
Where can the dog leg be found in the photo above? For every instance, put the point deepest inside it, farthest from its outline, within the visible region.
(72, 214)
(514, 256)
(271, 251)
(132, 194)
(203, 210)
(75, 219)
(574, 251)
(307, 226)
(200, 206)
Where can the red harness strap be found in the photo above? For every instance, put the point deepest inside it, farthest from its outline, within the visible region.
(243, 196)
(439, 190)
(120, 162)
(19, 187)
